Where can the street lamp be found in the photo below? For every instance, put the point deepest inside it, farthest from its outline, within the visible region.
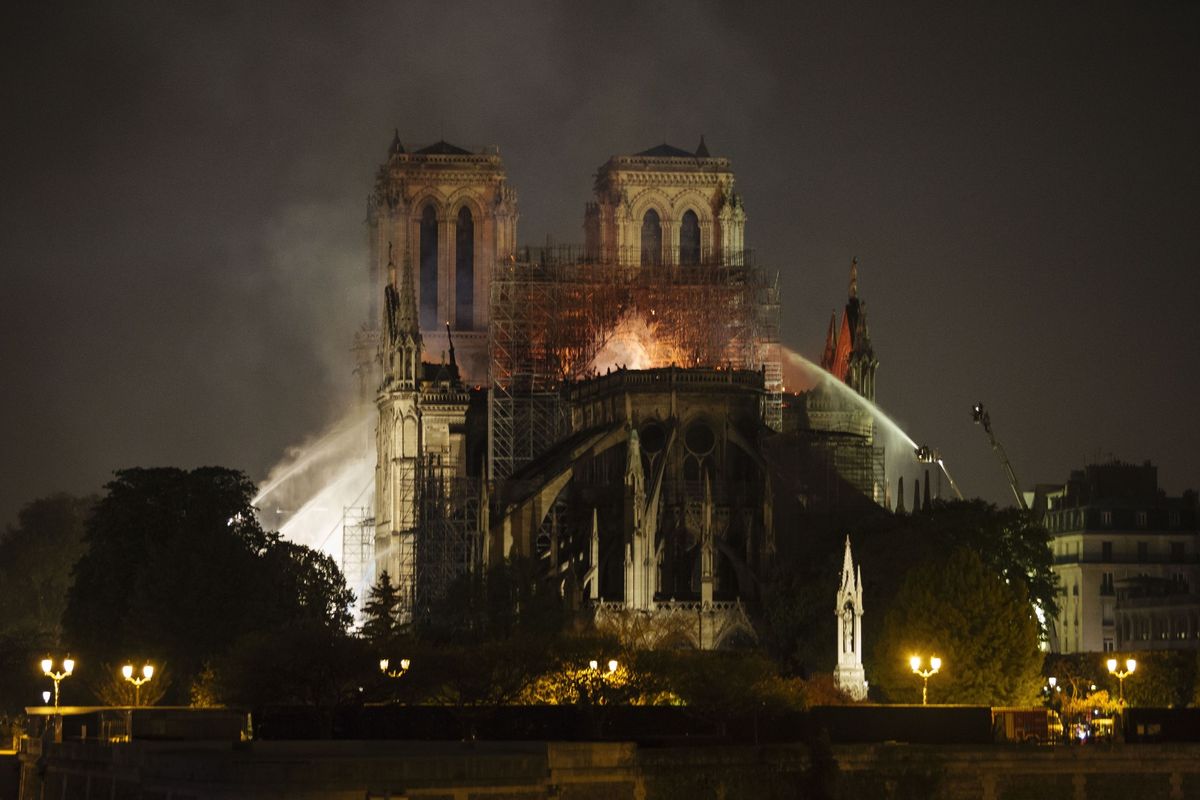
(1130, 666)
(68, 666)
(393, 673)
(935, 664)
(147, 674)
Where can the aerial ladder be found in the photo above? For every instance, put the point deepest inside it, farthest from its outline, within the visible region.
(981, 417)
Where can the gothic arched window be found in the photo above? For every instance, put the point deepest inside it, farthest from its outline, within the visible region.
(429, 268)
(651, 239)
(689, 239)
(464, 271)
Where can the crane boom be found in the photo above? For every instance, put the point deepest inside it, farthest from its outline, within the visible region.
(981, 417)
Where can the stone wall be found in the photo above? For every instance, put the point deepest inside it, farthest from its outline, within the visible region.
(352, 770)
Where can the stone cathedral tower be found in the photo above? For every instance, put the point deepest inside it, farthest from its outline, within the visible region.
(849, 674)
(420, 438)
(454, 213)
(666, 206)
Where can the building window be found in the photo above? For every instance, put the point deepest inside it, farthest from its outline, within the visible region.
(429, 269)
(1075, 590)
(651, 239)
(1177, 552)
(464, 271)
(689, 239)
(1106, 552)
(1108, 645)
(1106, 583)
(1106, 519)
(1106, 612)
(1143, 551)
(1141, 519)
(1174, 519)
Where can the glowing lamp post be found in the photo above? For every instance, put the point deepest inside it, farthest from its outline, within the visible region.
(147, 674)
(1130, 666)
(68, 666)
(384, 665)
(935, 664)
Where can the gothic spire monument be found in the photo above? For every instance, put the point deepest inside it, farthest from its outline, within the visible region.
(849, 674)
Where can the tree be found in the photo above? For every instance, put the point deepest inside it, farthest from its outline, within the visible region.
(981, 626)
(380, 625)
(512, 597)
(110, 687)
(797, 622)
(177, 567)
(307, 662)
(310, 585)
(36, 559)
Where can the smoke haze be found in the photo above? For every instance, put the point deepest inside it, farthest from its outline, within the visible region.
(184, 256)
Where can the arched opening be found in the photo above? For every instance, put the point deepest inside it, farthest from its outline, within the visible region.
(464, 271)
(429, 269)
(689, 239)
(651, 239)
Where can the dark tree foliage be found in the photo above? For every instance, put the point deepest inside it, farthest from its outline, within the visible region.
(798, 620)
(177, 567)
(511, 598)
(313, 581)
(980, 625)
(36, 558)
(306, 662)
(380, 626)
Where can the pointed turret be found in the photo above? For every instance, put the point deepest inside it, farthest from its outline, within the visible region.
(593, 575)
(830, 343)
(916, 496)
(402, 334)
(408, 320)
(900, 495)
(854, 278)
(702, 150)
(847, 568)
(639, 549)
(707, 547)
(396, 147)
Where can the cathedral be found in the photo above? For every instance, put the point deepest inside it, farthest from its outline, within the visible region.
(614, 410)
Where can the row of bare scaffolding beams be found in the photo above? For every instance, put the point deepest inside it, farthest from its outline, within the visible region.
(554, 309)
(449, 542)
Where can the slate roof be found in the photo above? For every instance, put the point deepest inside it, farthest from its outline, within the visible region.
(665, 150)
(443, 148)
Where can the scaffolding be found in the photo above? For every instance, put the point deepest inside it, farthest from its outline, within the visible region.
(449, 541)
(554, 309)
(358, 552)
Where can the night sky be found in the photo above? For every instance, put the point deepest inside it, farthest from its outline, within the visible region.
(182, 231)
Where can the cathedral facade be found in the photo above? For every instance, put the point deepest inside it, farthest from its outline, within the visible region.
(602, 410)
